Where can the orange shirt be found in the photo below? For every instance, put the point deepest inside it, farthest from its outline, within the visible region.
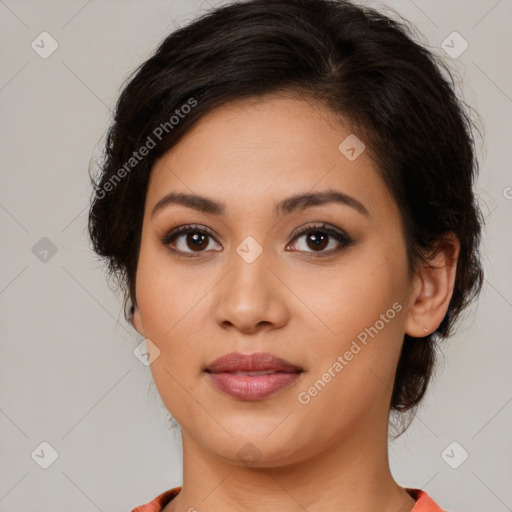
(424, 503)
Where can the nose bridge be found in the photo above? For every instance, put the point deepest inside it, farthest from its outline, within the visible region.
(250, 269)
(251, 295)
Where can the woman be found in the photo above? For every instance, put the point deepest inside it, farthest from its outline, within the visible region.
(287, 200)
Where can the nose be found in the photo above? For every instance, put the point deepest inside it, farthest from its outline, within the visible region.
(251, 297)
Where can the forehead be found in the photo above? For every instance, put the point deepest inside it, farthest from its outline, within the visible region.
(250, 152)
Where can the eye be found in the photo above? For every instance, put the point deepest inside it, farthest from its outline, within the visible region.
(188, 239)
(319, 237)
(192, 239)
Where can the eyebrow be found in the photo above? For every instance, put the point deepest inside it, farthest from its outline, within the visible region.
(285, 207)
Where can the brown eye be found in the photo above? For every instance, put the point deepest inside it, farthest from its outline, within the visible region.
(319, 238)
(196, 241)
(188, 239)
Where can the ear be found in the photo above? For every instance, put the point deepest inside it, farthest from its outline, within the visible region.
(136, 320)
(433, 288)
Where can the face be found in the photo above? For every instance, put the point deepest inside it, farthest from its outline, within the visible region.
(321, 284)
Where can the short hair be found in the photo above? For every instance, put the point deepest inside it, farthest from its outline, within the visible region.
(366, 68)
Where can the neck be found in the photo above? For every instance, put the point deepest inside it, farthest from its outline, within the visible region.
(349, 475)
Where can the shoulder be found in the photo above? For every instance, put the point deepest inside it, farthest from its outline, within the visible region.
(159, 502)
(424, 503)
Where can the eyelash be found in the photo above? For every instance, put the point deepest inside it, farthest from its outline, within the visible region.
(341, 236)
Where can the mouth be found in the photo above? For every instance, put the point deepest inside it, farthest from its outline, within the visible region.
(252, 376)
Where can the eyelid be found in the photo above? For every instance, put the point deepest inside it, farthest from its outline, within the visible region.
(340, 235)
(184, 229)
(320, 226)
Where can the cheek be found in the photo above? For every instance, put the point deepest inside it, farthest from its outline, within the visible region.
(164, 294)
(351, 296)
(361, 306)
(169, 304)
(173, 305)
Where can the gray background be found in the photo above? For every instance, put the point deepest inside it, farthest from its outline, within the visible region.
(68, 375)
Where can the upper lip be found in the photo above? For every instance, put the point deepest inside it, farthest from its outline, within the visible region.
(236, 362)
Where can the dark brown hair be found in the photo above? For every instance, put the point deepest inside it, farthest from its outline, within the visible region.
(367, 68)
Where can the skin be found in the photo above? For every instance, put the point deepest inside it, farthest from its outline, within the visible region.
(328, 454)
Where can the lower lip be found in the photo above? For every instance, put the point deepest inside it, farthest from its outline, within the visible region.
(252, 387)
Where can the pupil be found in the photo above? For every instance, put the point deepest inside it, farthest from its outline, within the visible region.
(198, 241)
(319, 240)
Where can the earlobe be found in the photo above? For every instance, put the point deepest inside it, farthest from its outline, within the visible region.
(136, 320)
(433, 289)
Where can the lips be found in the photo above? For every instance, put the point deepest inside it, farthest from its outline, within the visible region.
(251, 376)
(259, 362)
